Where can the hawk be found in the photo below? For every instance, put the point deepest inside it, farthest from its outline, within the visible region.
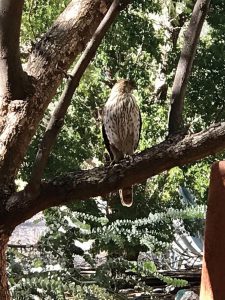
(121, 128)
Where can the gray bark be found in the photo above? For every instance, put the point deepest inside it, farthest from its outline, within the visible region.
(185, 65)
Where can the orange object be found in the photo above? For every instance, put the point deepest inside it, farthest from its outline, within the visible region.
(213, 266)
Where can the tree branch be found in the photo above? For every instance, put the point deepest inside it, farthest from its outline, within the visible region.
(57, 119)
(176, 151)
(10, 64)
(185, 64)
(12, 83)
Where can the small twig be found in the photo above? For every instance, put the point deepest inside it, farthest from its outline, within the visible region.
(185, 64)
(57, 119)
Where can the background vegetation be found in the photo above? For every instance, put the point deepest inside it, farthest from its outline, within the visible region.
(144, 44)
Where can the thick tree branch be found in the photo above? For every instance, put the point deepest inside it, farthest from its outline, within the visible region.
(185, 64)
(10, 64)
(57, 119)
(59, 47)
(12, 83)
(176, 151)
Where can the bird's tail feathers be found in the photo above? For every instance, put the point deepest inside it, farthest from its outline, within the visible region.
(126, 196)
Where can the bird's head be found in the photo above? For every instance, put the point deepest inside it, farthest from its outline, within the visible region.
(125, 85)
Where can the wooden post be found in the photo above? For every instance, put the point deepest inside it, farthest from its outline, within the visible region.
(213, 267)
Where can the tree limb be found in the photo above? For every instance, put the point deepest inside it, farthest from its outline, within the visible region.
(185, 64)
(57, 119)
(176, 151)
(13, 79)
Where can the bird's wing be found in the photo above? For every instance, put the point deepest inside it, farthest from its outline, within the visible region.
(106, 141)
(139, 131)
(111, 125)
(137, 123)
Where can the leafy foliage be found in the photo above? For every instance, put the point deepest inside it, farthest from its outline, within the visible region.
(141, 46)
(38, 17)
(52, 272)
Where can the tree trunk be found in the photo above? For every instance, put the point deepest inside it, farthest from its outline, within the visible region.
(4, 288)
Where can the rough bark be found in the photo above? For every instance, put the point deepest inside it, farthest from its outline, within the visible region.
(4, 289)
(10, 64)
(176, 151)
(13, 79)
(49, 61)
(185, 64)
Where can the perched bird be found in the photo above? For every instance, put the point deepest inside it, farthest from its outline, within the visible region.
(121, 127)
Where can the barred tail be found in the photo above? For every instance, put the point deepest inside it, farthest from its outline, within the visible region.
(126, 196)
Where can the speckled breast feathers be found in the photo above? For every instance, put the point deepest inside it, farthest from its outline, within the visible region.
(121, 121)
